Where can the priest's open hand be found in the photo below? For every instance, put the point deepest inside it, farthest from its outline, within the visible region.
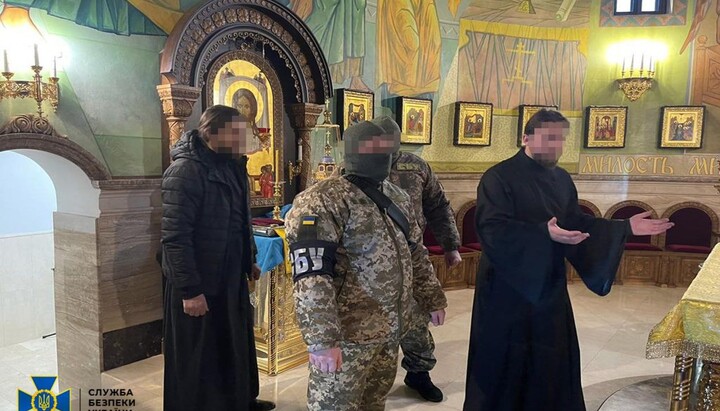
(642, 225)
(329, 360)
(196, 306)
(563, 236)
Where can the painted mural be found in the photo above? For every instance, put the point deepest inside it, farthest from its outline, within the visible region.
(149, 17)
(339, 26)
(502, 52)
(524, 52)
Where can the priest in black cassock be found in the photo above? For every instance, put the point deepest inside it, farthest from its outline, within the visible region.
(524, 353)
(207, 259)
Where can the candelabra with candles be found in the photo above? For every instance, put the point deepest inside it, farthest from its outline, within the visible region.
(634, 81)
(326, 166)
(277, 187)
(36, 89)
(295, 169)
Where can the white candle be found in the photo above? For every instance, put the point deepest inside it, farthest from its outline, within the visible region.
(37, 59)
(277, 167)
(642, 63)
(5, 61)
(300, 151)
(54, 66)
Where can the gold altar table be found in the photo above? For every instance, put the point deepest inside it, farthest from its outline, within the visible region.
(691, 333)
(278, 341)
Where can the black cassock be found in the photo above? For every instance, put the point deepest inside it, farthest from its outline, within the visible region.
(524, 353)
(210, 361)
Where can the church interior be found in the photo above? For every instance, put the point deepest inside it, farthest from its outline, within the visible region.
(94, 94)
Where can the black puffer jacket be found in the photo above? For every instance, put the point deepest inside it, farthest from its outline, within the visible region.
(195, 229)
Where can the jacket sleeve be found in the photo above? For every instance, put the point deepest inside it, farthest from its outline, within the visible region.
(438, 212)
(182, 196)
(426, 287)
(315, 295)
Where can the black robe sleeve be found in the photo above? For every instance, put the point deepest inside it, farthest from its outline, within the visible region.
(598, 257)
(521, 253)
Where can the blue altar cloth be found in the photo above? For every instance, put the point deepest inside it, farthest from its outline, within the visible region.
(270, 252)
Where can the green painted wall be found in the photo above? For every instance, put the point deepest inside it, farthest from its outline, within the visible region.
(108, 100)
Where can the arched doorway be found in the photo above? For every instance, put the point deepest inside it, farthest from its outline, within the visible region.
(27, 302)
(75, 174)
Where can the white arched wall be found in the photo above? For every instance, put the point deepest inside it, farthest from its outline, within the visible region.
(108, 291)
(75, 192)
(77, 295)
(27, 303)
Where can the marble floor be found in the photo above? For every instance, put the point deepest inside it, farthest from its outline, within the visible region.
(612, 330)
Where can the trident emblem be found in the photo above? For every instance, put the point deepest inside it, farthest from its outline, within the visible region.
(44, 401)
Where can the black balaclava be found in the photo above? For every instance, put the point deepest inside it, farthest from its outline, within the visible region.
(374, 166)
(390, 128)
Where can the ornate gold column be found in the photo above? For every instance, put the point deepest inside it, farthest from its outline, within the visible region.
(709, 392)
(682, 381)
(304, 119)
(177, 103)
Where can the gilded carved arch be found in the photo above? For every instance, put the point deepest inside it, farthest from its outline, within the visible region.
(223, 25)
(460, 216)
(261, 29)
(592, 207)
(628, 203)
(715, 221)
(655, 239)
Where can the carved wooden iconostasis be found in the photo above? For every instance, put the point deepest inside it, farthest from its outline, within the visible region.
(258, 57)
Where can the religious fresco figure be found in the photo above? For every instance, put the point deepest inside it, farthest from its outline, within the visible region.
(408, 48)
(339, 26)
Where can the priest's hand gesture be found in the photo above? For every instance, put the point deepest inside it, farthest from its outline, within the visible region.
(642, 225)
(563, 236)
(329, 360)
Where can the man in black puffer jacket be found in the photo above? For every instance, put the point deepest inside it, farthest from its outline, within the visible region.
(207, 258)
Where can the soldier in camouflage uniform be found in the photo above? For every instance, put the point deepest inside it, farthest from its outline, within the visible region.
(431, 208)
(358, 278)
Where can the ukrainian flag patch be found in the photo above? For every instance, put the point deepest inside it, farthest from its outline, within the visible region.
(309, 220)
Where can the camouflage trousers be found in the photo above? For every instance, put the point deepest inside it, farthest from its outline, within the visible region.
(418, 346)
(363, 383)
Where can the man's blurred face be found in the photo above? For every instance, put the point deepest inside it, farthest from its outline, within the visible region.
(545, 145)
(383, 144)
(235, 138)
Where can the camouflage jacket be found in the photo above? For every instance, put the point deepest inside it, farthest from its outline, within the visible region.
(370, 299)
(431, 206)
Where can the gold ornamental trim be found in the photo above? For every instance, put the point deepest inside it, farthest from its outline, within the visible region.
(29, 124)
(480, 166)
